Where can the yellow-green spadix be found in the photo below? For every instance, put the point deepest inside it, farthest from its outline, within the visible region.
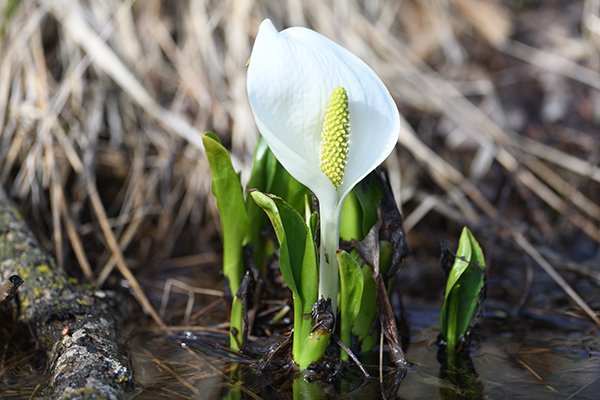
(326, 116)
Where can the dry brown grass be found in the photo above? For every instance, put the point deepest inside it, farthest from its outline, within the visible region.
(102, 104)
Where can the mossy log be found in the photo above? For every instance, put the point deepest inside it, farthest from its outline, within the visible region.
(76, 325)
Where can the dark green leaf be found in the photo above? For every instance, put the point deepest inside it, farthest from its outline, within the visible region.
(262, 173)
(259, 176)
(363, 324)
(269, 176)
(465, 282)
(369, 196)
(351, 221)
(287, 187)
(351, 291)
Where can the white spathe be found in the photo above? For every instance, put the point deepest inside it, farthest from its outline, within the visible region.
(291, 77)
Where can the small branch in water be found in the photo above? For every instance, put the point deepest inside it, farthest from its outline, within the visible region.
(352, 356)
(267, 360)
(388, 326)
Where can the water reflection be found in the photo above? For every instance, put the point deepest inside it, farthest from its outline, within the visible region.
(514, 360)
(304, 390)
(458, 378)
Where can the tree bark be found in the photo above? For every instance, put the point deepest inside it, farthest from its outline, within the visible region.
(75, 325)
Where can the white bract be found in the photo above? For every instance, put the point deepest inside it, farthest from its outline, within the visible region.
(326, 116)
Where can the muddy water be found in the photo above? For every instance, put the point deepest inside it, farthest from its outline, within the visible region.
(512, 358)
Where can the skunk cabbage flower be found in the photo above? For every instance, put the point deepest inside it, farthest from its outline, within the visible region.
(326, 116)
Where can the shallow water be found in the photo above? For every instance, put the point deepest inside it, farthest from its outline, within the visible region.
(512, 358)
(529, 357)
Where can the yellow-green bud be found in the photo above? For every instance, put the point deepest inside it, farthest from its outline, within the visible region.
(334, 138)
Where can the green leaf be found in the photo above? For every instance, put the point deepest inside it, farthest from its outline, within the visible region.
(313, 223)
(363, 324)
(238, 325)
(359, 214)
(351, 291)
(260, 179)
(268, 176)
(261, 170)
(351, 221)
(312, 348)
(297, 260)
(369, 197)
(316, 343)
(287, 187)
(465, 282)
(227, 189)
(359, 211)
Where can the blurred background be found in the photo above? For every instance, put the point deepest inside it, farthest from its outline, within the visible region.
(102, 104)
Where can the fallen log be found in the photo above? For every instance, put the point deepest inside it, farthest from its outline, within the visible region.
(76, 326)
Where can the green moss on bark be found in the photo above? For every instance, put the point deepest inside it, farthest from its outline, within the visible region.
(76, 325)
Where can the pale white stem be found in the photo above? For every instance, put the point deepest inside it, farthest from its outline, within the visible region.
(329, 215)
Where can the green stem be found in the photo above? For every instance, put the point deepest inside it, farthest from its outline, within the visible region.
(315, 344)
(313, 348)
(301, 327)
(329, 215)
